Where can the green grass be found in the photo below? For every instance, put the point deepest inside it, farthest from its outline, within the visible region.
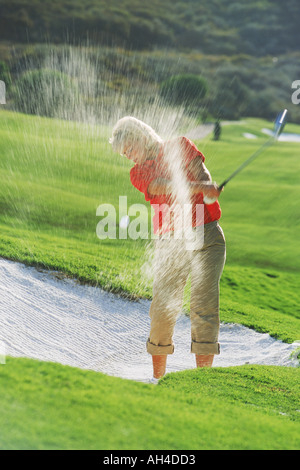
(53, 177)
(48, 406)
(55, 174)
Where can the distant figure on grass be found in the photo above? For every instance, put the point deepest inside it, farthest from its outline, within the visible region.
(169, 172)
(217, 130)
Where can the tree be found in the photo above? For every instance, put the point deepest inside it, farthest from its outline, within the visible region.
(186, 90)
(45, 92)
(231, 99)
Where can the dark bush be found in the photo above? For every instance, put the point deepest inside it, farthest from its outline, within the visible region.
(184, 89)
(45, 92)
(231, 99)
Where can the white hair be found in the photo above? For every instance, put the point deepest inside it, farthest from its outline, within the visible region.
(132, 130)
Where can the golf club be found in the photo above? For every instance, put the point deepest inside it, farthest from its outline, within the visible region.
(278, 128)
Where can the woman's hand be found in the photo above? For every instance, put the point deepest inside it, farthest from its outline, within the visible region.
(212, 190)
(209, 189)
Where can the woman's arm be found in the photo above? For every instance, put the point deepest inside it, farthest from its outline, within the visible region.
(161, 186)
(199, 170)
(202, 182)
(209, 189)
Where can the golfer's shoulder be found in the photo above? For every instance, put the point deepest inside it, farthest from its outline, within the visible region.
(191, 151)
(183, 141)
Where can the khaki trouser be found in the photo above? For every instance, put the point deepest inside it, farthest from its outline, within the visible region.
(172, 266)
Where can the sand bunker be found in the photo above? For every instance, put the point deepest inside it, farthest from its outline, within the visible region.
(51, 319)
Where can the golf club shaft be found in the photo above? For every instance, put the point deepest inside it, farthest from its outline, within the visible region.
(249, 160)
(279, 124)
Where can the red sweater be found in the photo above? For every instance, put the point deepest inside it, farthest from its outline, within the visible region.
(142, 175)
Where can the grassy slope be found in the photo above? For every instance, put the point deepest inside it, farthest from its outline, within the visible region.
(60, 407)
(52, 181)
(54, 175)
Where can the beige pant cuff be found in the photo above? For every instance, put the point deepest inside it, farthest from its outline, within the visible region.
(159, 350)
(205, 349)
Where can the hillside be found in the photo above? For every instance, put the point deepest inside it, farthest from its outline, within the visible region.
(247, 51)
(238, 85)
(259, 28)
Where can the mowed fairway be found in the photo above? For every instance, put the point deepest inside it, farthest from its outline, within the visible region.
(48, 406)
(54, 175)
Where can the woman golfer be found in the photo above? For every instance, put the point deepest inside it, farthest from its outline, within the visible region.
(153, 174)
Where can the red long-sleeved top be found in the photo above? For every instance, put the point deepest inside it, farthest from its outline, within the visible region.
(141, 176)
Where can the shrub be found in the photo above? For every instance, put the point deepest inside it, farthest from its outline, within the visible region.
(231, 99)
(184, 89)
(45, 92)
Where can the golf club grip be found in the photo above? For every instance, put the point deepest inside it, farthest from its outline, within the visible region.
(208, 200)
